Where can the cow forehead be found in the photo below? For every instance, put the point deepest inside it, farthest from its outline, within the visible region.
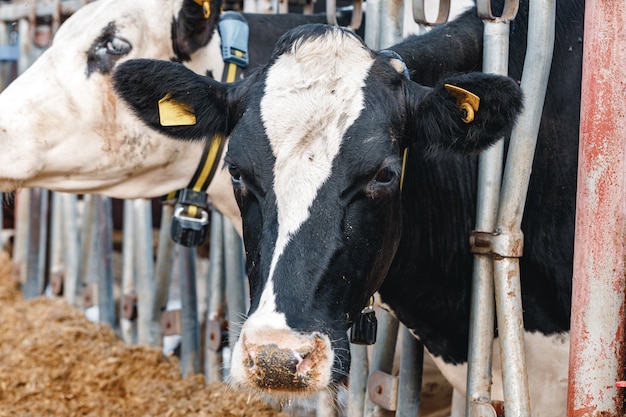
(313, 94)
(91, 19)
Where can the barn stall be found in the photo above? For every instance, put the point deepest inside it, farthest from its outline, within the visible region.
(43, 204)
(52, 253)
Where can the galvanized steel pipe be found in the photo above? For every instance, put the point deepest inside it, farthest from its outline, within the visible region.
(508, 239)
(144, 270)
(482, 310)
(190, 344)
(598, 321)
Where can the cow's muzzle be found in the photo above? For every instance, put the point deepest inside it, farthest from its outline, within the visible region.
(282, 360)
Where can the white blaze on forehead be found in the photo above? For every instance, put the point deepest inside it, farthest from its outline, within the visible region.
(313, 94)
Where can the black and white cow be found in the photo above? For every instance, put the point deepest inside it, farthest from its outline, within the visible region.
(62, 129)
(317, 138)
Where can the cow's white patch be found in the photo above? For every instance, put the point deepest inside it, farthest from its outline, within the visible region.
(313, 94)
(547, 365)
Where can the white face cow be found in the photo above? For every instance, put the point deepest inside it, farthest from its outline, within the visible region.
(62, 128)
(317, 138)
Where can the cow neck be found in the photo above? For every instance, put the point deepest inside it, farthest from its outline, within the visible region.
(190, 221)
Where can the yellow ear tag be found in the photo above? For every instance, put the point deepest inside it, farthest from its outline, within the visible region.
(468, 102)
(175, 113)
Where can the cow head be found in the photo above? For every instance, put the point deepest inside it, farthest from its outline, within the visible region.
(316, 159)
(61, 127)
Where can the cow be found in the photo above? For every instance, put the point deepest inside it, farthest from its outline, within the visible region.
(331, 213)
(62, 129)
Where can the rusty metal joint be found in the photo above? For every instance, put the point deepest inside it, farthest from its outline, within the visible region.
(497, 243)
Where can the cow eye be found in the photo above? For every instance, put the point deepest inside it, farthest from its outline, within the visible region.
(117, 46)
(234, 173)
(385, 176)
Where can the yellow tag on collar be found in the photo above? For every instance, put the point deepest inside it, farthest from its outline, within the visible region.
(175, 113)
(468, 102)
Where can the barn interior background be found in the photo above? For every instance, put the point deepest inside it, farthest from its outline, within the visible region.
(109, 273)
(68, 248)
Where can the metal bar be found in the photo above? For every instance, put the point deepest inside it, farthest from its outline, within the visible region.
(143, 260)
(235, 280)
(383, 355)
(71, 246)
(597, 344)
(104, 261)
(20, 244)
(359, 370)
(482, 310)
(410, 377)
(514, 189)
(163, 269)
(56, 264)
(36, 247)
(128, 328)
(215, 308)
(419, 13)
(190, 345)
(391, 23)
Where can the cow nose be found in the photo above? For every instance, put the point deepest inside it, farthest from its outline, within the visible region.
(283, 360)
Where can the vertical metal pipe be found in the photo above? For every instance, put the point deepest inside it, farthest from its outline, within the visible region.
(358, 380)
(518, 166)
(235, 281)
(20, 244)
(103, 260)
(128, 328)
(383, 355)
(163, 269)
(482, 312)
(598, 321)
(71, 245)
(36, 247)
(215, 308)
(372, 23)
(190, 344)
(391, 23)
(56, 264)
(410, 377)
(144, 265)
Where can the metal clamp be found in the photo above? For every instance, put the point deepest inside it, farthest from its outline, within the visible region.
(483, 7)
(419, 13)
(357, 14)
(498, 243)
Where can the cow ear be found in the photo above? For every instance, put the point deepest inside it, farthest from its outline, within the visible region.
(466, 113)
(174, 100)
(193, 28)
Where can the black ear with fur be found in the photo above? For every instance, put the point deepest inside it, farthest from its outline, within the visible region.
(192, 29)
(143, 83)
(439, 116)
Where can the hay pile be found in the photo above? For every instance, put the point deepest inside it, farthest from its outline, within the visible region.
(54, 362)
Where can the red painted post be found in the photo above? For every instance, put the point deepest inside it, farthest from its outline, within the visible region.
(598, 332)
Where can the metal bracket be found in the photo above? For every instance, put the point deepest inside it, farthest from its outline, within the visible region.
(481, 409)
(498, 243)
(419, 13)
(383, 390)
(56, 283)
(171, 322)
(129, 306)
(217, 334)
(357, 14)
(509, 12)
